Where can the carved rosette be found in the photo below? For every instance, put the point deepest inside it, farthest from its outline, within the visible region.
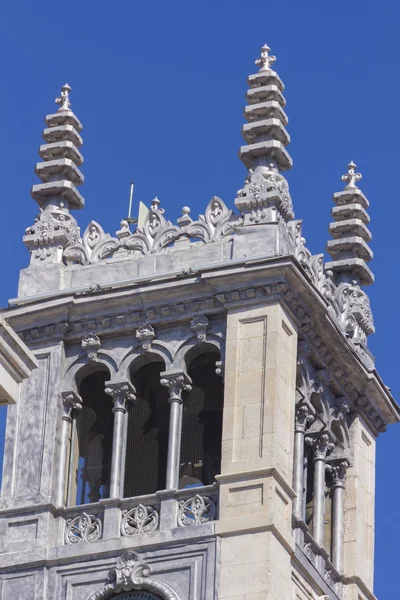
(322, 446)
(176, 384)
(141, 519)
(199, 325)
(145, 334)
(72, 404)
(84, 528)
(121, 393)
(303, 418)
(91, 344)
(132, 573)
(196, 510)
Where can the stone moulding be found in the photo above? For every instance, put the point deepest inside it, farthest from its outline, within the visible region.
(132, 573)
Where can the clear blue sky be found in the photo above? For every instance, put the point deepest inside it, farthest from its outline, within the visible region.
(159, 87)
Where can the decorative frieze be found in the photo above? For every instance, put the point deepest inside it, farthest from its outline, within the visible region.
(83, 528)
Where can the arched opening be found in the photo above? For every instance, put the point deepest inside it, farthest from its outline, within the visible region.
(202, 422)
(147, 433)
(91, 443)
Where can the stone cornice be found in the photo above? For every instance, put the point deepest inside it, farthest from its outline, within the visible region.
(124, 309)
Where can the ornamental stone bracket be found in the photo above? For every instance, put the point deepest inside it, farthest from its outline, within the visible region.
(145, 334)
(132, 573)
(91, 344)
(199, 325)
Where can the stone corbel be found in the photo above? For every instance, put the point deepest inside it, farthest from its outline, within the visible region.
(132, 573)
(199, 325)
(121, 393)
(72, 404)
(91, 344)
(145, 334)
(220, 368)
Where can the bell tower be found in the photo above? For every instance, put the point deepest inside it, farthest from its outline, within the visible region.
(201, 417)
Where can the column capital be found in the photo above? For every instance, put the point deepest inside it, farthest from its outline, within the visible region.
(321, 445)
(121, 392)
(72, 403)
(303, 418)
(176, 382)
(338, 472)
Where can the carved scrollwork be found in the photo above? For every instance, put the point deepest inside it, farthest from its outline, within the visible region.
(84, 528)
(196, 510)
(94, 246)
(141, 519)
(157, 233)
(131, 573)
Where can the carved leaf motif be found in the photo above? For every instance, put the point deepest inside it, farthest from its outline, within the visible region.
(84, 528)
(141, 519)
(196, 510)
(94, 246)
(216, 223)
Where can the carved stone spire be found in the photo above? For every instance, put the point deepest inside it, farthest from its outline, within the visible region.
(57, 194)
(265, 154)
(349, 247)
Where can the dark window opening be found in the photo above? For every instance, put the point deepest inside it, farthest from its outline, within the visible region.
(92, 446)
(147, 435)
(202, 423)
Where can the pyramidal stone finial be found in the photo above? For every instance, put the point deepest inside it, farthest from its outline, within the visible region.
(266, 191)
(351, 177)
(349, 248)
(265, 61)
(57, 193)
(63, 99)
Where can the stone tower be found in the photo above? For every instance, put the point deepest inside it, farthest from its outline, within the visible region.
(203, 417)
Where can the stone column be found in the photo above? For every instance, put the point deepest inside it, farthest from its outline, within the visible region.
(302, 420)
(72, 403)
(322, 446)
(338, 472)
(121, 393)
(176, 384)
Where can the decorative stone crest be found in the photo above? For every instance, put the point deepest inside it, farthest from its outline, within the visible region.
(196, 510)
(91, 344)
(131, 573)
(265, 61)
(215, 224)
(199, 325)
(94, 246)
(63, 99)
(145, 334)
(141, 519)
(84, 528)
(157, 233)
(351, 176)
(121, 393)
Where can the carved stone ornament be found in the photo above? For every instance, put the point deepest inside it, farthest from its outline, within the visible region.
(304, 418)
(131, 573)
(265, 61)
(54, 227)
(141, 519)
(196, 510)
(352, 309)
(145, 334)
(322, 446)
(199, 325)
(351, 176)
(121, 393)
(91, 345)
(215, 224)
(63, 99)
(94, 246)
(338, 473)
(262, 191)
(176, 384)
(72, 403)
(84, 528)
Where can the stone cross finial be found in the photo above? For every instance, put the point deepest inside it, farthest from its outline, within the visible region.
(265, 61)
(63, 98)
(351, 176)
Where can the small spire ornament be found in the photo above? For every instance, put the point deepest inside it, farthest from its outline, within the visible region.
(265, 61)
(63, 99)
(351, 177)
